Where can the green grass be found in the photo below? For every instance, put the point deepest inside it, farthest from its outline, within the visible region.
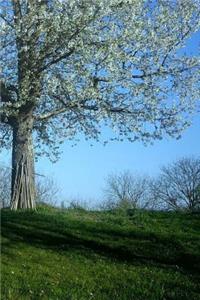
(79, 255)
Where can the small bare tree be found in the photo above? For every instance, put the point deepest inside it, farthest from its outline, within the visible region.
(125, 190)
(178, 185)
(46, 191)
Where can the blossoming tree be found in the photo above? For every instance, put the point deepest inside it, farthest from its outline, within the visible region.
(71, 66)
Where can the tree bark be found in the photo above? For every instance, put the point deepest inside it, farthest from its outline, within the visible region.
(23, 177)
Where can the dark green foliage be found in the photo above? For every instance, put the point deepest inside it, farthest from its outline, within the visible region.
(80, 255)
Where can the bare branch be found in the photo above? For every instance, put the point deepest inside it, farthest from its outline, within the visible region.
(51, 114)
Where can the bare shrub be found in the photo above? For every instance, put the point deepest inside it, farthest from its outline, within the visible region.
(78, 204)
(46, 191)
(126, 191)
(178, 185)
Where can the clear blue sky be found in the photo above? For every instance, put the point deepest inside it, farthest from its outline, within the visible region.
(81, 170)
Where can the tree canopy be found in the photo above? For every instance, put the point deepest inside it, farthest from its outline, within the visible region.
(81, 64)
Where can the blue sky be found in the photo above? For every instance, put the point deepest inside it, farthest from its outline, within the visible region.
(81, 170)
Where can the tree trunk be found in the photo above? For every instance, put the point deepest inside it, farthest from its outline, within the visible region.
(23, 177)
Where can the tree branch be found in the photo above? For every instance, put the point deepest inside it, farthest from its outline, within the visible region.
(67, 54)
(50, 114)
(56, 112)
(7, 22)
(56, 60)
(160, 72)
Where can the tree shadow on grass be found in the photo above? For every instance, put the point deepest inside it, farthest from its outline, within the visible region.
(45, 231)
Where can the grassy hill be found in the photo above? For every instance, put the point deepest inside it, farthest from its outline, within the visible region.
(79, 255)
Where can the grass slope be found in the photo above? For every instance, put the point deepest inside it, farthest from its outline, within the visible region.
(79, 255)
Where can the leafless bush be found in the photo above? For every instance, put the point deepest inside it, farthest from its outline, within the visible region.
(178, 185)
(78, 204)
(126, 191)
(46, 191)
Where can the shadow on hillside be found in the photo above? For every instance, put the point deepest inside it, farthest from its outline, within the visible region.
(134, 247)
